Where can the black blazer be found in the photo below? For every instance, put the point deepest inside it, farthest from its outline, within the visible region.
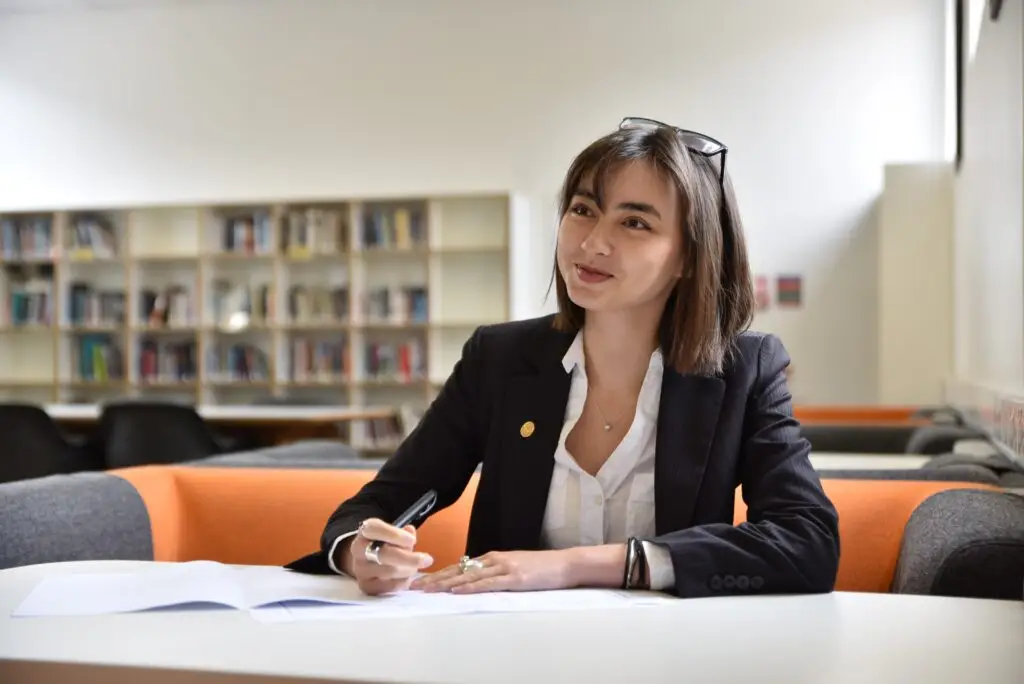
(713, 434)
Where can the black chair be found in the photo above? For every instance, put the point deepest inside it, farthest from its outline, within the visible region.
(940, 415)
(862, 439)
(133, 433)
(34, 446)
(932, 440)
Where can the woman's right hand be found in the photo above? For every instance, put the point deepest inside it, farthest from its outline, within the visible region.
(399, 561)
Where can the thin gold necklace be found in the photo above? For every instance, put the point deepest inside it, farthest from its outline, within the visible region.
(608, 425)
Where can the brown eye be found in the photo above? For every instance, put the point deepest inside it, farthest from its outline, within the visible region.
(636, 224)
(580, 209)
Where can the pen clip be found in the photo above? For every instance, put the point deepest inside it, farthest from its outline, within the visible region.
(428, 505)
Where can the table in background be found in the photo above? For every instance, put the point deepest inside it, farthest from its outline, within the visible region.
(835, 460)
(276, 424)
(839, 638)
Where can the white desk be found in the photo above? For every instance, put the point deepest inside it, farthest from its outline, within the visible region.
(827, 639)
(832, 460)
(243, 414)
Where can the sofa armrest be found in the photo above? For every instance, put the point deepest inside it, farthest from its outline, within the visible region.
(304, 454)
(83, 516)
(965, 473)
(964, 542)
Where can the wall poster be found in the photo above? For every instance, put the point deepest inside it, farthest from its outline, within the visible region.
(762, 293)
(789, 291)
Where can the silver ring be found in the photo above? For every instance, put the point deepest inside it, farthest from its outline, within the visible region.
(466, 564)
(371, 553)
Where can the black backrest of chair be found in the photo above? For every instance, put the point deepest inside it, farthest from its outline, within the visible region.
(150, 432)
(33, 445)
(939, 439)
(868, 439)
(940, 415)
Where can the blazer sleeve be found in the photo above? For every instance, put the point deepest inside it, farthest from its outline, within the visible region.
(790, 540)
(441, 453)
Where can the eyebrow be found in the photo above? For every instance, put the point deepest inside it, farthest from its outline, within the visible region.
(642, 207)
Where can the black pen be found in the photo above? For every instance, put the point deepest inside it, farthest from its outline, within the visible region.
(416, 512)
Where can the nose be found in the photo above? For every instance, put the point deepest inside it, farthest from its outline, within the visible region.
(598, 241)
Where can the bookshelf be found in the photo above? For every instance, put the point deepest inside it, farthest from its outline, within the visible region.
(346, 301)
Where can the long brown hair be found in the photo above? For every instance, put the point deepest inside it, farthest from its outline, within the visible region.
(714, 300)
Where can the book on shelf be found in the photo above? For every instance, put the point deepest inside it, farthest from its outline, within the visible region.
(397, 304)
(236, 305)
(162, 361)
(247, 233)
(314, 231)
(396, 362)
(88, 306)
(393, 228)
(237, 362)
(317, 304)
(29, 237)
(30, 302)
(92, 235)
(319, 360)
(169, 307)
(97, 358)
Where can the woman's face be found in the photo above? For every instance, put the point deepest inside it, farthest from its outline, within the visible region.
(627, 253)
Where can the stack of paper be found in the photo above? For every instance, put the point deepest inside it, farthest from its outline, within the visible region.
(274, 594)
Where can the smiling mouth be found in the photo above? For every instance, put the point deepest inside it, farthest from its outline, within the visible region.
(591, 275)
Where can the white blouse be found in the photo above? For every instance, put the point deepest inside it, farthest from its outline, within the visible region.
(617, 503)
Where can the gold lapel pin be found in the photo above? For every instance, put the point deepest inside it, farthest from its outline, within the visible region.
(527, 428)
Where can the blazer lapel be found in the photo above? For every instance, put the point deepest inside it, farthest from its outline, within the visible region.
(687, 420)
(531, 424)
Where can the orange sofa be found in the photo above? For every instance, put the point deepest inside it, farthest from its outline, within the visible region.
(272, 516)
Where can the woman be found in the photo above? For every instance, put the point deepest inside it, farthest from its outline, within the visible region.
(612, 435)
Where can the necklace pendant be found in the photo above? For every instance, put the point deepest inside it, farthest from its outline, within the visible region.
(607, 427)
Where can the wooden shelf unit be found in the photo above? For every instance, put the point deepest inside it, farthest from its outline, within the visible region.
(262, 302)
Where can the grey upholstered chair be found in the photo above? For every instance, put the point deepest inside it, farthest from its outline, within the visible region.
(964, 542)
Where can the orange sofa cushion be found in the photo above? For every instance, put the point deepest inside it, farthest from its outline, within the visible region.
(265, 516)
(872, 517)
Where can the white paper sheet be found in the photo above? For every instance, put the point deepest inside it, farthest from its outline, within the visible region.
(274, 594)
(181, 584)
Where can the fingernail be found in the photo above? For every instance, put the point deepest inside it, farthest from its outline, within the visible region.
(426, 561)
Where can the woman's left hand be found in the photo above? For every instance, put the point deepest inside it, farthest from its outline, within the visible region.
(502, 571)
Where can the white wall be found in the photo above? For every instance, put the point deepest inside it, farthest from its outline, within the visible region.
(915, 284)
(210, 101)
(990, 209)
